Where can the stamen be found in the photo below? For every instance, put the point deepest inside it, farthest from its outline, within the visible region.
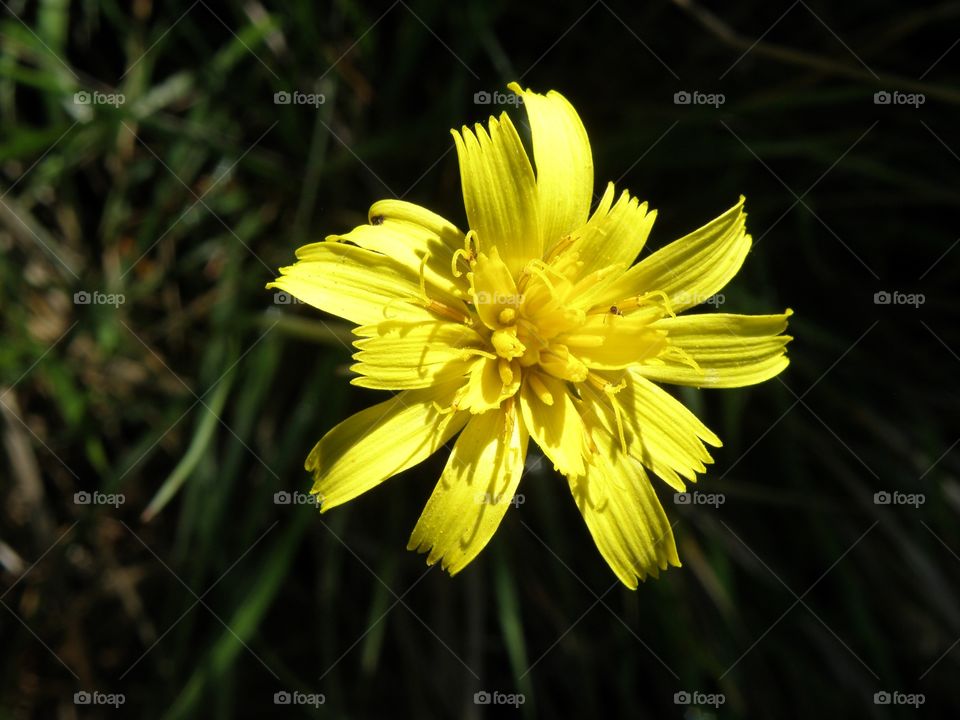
(472, 248)
(539, 389)
(666, 304)
(562, 245)
(538, 268)
(672, 352)
(459, 254)
(432, 305)
(632, 303)
(507, 316)
(610, 390)
(445, 411)
(477, 352)
(466, 254)
(505, 371)
(448, 312)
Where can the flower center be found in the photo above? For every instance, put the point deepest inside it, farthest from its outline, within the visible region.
(527, 315)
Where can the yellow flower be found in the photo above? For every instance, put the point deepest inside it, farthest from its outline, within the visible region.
(533, 324)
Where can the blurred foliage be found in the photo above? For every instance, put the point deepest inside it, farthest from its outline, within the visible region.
(799, 596)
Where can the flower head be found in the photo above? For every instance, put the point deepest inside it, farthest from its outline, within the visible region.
(534, 324)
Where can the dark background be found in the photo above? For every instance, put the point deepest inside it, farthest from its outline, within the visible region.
(799, 597)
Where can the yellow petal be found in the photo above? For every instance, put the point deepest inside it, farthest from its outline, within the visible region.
(477, 487)
(614, 236)
(408, 212)
(689, 270)
(623, 514)
(659, 430)
(730, 350)
(499, 191)
(556, 427)
(494, 289)
(359, 285)
(610, 341)
(403, 356)
(414, 237)
(381, 441)
(561, 151)
(486, 387)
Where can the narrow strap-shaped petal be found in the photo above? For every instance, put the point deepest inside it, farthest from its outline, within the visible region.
(477, 487)
(403, 211)
(553, 421)
(494, 289)
(608, 341)
(359, 285)
(415, 238)
(404, 356)
(689, 270)
(561, 152)
(489, 384)
(659, 430)
(721, 350)
(381, 441)
(624, 516)
(499, 191)
(614, 236)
